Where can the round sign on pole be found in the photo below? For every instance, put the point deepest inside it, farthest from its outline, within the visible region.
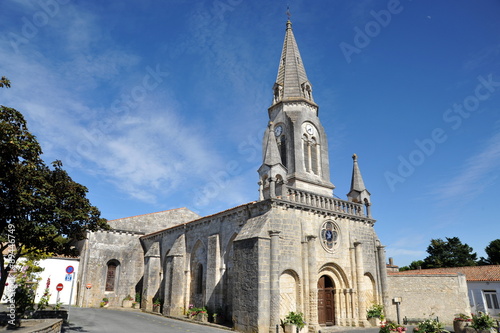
(59, 287)
(88, 286)
(70, 269)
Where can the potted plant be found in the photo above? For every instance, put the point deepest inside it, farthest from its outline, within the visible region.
(375, 314)
(461, 321)
(390, 327)
(104, 303)
(156, 305)
(482, 323)
(127, 301)
(199, 314)
(293, 321)
(430, 326)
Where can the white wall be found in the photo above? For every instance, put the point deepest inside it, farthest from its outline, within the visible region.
(55, 268)
(476, 297)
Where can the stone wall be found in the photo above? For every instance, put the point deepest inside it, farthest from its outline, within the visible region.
(425, 296)
(154, 222)
(100, 248)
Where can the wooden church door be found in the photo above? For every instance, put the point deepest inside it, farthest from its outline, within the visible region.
(326, 303)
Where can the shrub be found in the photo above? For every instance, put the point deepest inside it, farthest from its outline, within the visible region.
(295, 318)
(375, 311)
(482, 321)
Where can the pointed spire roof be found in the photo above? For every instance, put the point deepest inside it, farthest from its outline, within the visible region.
(271, 152)
(357, 183)
(292, 78)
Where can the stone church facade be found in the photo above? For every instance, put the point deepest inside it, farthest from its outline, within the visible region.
(297, 248)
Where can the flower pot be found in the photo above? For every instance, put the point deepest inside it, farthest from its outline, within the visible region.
(459, 326)
(289, 328)
(201, 317)
(374, 321)
(127, 303)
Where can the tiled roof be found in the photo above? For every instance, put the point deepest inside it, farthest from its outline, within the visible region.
(472, 273)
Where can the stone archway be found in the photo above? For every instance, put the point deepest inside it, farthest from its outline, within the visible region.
(326, 301)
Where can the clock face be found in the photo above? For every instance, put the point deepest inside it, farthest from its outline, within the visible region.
(309, 129)
(278, 130)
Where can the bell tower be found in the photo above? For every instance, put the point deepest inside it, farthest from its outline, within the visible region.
(295, 146)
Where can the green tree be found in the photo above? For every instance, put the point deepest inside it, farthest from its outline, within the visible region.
(493, 252)
(42, 210)
(4, 82)
(414, 265)
(449, 253)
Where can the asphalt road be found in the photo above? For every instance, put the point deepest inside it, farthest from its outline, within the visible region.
(99, 320)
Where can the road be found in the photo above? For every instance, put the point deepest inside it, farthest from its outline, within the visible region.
(99, 320)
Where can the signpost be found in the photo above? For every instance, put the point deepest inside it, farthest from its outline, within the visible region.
(88, 286)
(59, 287)
(70, 271)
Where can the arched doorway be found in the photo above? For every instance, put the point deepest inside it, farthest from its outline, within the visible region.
(326, 301)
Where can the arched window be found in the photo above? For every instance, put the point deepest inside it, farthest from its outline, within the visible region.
(282, 145)
(199, 279)
(111, 275)
(311, 149)
(307, 155)
(313, 146)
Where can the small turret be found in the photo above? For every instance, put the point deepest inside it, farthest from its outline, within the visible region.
(358, 192)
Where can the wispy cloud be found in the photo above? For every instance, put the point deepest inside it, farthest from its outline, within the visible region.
(477, 174)
(146, 152)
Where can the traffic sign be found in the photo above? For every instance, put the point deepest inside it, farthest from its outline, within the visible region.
(59, 287)
(70, 269)
(88, 286)
(68, 277)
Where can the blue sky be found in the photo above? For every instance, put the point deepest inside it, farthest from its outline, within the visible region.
(157, 105)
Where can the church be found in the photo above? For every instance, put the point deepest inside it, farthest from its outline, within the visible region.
(296, 248)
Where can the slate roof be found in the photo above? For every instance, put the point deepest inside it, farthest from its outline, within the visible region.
(472, 273)
(291, 71)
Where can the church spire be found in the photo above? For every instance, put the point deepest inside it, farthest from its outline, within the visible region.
(358, 192)
(295, 146)
(291, 82)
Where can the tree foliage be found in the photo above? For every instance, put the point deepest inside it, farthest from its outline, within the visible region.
(449, 253)
(493, 252)
(414, 265)
(4, 82)
(42, 210)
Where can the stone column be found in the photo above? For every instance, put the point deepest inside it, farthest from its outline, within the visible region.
(213, 270)
(272, 187)
(152, 280)
(275, 281)
(261, 191)
(305, 282)
(354, 282)
(347, 305)
(353, 321)
(361, 291)
(313, 284)
(368, 210)
(383, 275)
(339, 309)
